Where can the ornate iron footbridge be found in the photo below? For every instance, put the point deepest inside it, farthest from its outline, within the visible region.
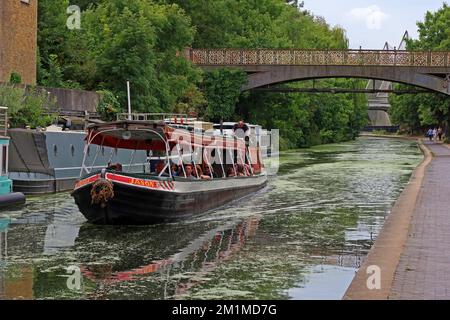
(426, 69)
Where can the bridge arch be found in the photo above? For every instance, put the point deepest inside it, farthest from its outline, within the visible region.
(425, 69)
(269, 75)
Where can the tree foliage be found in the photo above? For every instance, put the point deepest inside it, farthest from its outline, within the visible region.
(138, 41)
(108, 106)
(420, 111)
(222, 90)
(142, 41)
(27, 106)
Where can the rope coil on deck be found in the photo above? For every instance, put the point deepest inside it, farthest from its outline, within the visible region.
(102, 191)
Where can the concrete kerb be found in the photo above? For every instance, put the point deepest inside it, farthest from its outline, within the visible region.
(388, 247)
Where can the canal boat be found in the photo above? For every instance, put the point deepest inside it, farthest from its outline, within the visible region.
(7, 197)
(136, 195)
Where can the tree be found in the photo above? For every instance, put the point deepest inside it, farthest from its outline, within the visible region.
(138, 41)
(142, 41)
(222, 89)
(419, 111)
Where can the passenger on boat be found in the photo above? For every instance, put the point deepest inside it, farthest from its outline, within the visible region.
(248, 171)
(175, 170)
(160, 167)
(114, 166)
(199, 173)
(189, 168)
(242, 131)
(208, 173)
(240, 170)
(241, 125)
(231, 172)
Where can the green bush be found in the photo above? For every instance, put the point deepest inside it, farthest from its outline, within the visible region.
(15, 78)
(380, 132)
(11, 97)
(27, 107)
(108, 106)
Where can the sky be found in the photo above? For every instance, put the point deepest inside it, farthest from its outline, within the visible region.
(370, 23)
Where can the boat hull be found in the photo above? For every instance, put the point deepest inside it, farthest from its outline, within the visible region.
(12, 199)
(43, 186)
(133, 204)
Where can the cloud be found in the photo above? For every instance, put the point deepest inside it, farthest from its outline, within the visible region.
(372, 16)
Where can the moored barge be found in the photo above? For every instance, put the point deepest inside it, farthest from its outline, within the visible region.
(7, 196)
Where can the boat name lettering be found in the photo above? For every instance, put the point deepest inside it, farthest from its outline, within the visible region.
(144, 183)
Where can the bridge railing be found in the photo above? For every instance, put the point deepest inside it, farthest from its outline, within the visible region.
(175, 117)
(242, 57)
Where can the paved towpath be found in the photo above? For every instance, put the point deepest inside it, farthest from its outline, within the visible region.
(423, 271)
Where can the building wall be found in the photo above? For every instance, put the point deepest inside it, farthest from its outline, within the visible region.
(18, 39)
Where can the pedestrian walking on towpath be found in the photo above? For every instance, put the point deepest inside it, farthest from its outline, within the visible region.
(440, 132)
(430, 134)
(434, 134)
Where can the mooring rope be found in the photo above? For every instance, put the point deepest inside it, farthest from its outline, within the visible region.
(102, 191)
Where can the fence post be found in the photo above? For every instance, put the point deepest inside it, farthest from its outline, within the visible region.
(361, 56)
(395, 56)
(207, 57)
(3, 120)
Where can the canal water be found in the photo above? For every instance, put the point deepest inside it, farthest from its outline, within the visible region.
(303, 237)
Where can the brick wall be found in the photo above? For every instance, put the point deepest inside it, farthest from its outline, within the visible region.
(18, 39)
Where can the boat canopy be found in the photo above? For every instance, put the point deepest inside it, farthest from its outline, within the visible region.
(155, 136)
(133, 135)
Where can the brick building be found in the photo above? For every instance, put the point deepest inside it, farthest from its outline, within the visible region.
(18, 39)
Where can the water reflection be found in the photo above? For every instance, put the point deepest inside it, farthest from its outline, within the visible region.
(302, 237)
(201, 252)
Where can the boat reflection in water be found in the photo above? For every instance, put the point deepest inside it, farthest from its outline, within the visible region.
(201, 256)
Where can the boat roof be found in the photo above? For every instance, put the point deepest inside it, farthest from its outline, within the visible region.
(133, 135)
(152, 135)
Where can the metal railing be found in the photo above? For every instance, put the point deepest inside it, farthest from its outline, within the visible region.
(3, 121)
(240, 57)
(175, 117)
